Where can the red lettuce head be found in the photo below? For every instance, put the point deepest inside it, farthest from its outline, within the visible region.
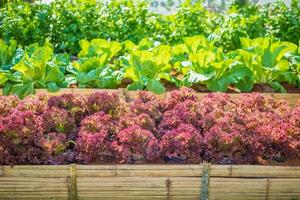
(98, 122)
(135, 144)
(58, 120)
(94, 147)
(34, 103)
(183, 143)
(103, 101)
(142, 120)
(76, 105)
(178, 96)
(7, 103)
(22, 133)
(148, 103)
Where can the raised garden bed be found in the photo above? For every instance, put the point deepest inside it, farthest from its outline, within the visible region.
(163, 182)
(88, 144)
(153, 181)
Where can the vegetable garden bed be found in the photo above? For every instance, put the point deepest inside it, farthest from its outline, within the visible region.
(153, 180)
(78, 143)
(150, 182)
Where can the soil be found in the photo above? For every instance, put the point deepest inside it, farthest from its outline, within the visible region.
(169, 86)
(291, 88)
(125, 82)
(292, 162)
(261, 88)
(267, 89)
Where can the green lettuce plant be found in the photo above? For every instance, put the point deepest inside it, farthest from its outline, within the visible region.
(9, 56)
(38, 68)
(95, 67)
(147, 67)
(269, 60)
(209, 65)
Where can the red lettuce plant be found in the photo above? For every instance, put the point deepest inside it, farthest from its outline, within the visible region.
(5, 154)
(148, 103)
(178, 96)
(270, 134)
(34, 103)
(183, 143)
(143, 120)
(58, 120)
(93, 147)
(227, 146)
(98, 122)
(186, 112)
(7, 103)
(103, 101)
(257, 102)
(21, 134)
(294, 119)
(135, 144)
(76, 105)
(216, 101)
(94, 138)
(54, 145)
(246, 129)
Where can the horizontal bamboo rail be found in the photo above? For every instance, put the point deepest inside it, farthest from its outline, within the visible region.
(128, 96)
(159, 181)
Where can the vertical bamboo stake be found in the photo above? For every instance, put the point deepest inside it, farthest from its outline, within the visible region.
(73, 182)
(205, 182)
(116, 170)
(230, 171)
(72, 91)
(122, 94)
(267, 189)
(1, 170)
(168, 184)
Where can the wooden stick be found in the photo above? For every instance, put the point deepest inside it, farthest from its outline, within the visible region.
(1, 170)
(205, 182)
(73, 182)
(267, 189)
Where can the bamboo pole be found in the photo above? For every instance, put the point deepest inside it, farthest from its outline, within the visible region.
(73, 182)
(205, 182)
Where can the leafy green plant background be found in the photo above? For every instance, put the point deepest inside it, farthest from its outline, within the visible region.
(58, 45)
(66, 22)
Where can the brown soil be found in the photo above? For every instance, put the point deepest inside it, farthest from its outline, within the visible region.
(200, 88)
(262, 88)
(267, 89)
(125, 82)
(291, 88)
(292, 162)
(169, 86)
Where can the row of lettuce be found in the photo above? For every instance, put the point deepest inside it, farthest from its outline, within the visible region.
(100, 128)
(149, 64)
(66, 22)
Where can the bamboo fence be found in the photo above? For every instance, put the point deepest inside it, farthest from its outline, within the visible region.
(156, 181)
